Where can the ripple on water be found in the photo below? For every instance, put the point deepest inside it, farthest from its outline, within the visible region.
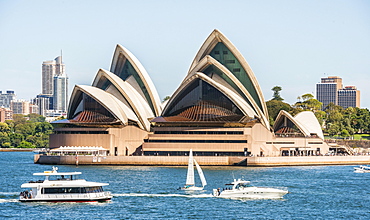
(316, 192)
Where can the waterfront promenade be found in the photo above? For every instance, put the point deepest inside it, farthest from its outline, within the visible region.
(17, 149)
(202, 160)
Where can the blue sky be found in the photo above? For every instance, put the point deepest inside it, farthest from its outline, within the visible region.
(287, 43)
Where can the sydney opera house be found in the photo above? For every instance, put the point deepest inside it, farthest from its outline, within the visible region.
(218, 110)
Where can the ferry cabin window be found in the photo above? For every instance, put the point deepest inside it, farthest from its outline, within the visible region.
(63, 190)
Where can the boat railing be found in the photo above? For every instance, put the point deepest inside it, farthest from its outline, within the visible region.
(76, 195)
(37, 181)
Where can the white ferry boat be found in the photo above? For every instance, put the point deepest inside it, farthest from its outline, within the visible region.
(362, 169)
(63, 187)
(242, 189)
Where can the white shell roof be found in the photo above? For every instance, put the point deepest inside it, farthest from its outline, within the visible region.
(137, 103)
(142, 73)
(305, 121)
(215, 37)
(310, 122)
(111, 103)
(210, 60)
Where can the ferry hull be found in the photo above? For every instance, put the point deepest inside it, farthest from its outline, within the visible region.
(65, 200)
(253, 195)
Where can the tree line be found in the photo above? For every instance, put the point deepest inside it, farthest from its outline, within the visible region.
(334, 120)
(25, 131)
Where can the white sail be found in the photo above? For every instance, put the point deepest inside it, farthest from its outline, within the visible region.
(200, 172)
(190, 176)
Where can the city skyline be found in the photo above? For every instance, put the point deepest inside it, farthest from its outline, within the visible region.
(289, 43)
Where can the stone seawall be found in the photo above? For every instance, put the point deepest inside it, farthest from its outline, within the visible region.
(203, 161)
(355, 143)
(131, 160)
(308, 161)
(17, 149)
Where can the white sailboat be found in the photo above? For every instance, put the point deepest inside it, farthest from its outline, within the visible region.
(190, 182)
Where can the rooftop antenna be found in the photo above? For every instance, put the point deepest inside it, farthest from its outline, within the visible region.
(61, 56)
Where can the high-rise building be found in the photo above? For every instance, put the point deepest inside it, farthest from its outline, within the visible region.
(49, 70)
(54, 95)
(60, 94)
(20, 107)
(6, 98)
(331, 90)
(5, 114)
(327, 90)
(45, 102)
(349, 96)
(34, 109)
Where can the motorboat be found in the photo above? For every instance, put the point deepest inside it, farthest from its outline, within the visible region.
(63, 187)
(190, 180)
(362, 169)
(242, 189)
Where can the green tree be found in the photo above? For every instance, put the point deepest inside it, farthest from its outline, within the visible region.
(25, 129)
(307, 102)
(274, 107)
(40, 140)
(26, 144)
(10, 124)
(15, 139)
(4, 139)
(166, 98)
(321, 116)
(21, 132)
(36, 118)
(19, 119)
(43, 127)
(345, 133)
(276, 96)
(333, 129)
(4, 127)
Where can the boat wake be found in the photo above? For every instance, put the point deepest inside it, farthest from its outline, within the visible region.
(163, 195)
(8, 200)
(6, 197)
(9, 193)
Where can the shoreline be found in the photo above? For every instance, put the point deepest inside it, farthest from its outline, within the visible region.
(18, 149)
(202, 160)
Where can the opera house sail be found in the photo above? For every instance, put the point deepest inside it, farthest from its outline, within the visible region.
(218, 110)
(114, 112)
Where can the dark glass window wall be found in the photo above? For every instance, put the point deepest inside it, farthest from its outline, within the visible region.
(235, 67)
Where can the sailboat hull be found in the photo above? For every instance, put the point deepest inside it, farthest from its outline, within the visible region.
(192, 188)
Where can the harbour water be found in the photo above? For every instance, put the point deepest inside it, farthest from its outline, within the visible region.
(142, 192)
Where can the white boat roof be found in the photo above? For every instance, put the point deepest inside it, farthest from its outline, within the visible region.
(64, 183)
(54, 172)
(51, 173)
(238, 181)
